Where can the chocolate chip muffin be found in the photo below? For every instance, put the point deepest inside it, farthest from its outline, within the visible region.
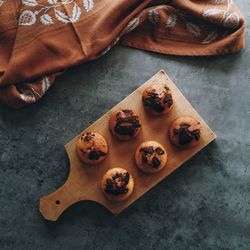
(91, 148)
(150, 157)
(124, 124)
(157, 99)
(185, 131)
(117, 184)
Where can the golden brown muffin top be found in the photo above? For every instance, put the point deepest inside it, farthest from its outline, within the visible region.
(157, 97)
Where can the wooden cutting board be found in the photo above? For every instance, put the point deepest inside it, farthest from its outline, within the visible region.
(83, 182)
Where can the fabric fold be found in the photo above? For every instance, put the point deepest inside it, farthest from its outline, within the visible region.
(42, 38)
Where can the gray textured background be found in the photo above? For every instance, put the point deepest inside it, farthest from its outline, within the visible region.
(203, 205)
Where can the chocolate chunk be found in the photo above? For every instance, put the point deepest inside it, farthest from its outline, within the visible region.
(159, 151)
(88, 136)
(168, 99)
(185, 138)
(196, 134)
(118, 115)
(110, 186)
(125, 130)
(167, 88)
(155, 162)
(185, 135)
(126, 123)
(118, 184)
(147, 150)
(110, 183)
(127, 111)
(153, 101)
(126, 178)
(144, 157)
(94, 155)
(150, 150)
(101, 153)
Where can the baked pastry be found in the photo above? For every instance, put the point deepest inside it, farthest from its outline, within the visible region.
(92, 148)
(185, 131)
(124, 124)
(150, 157)
(157, 99)
(117, 184)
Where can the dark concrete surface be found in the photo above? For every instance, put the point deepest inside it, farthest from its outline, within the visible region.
(203, 205)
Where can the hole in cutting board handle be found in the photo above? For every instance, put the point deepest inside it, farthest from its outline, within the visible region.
(58, 202)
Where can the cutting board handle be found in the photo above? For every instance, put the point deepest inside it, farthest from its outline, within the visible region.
(53, 205)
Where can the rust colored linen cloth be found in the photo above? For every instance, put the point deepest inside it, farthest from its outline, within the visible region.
(40, 39)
